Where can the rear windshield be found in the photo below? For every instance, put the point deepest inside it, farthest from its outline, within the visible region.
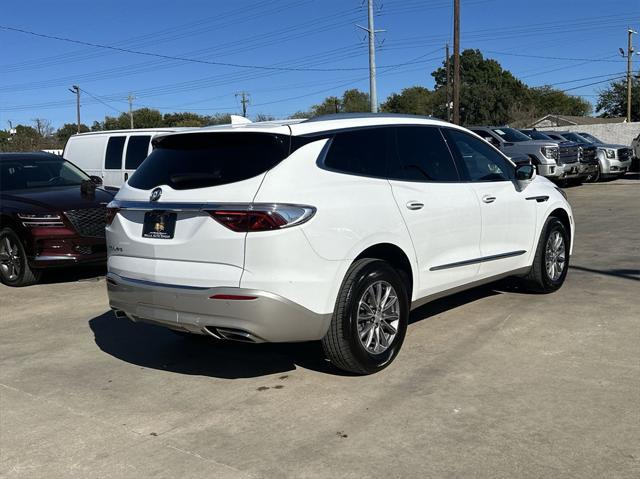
(201, 160)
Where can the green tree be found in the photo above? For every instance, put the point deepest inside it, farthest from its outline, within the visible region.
(612, 102)
(264, 117)
(415, 100)
(331, 104)
(355, 101)
(548, 100)
(142, 118)
(487, 91)
(183, 119)
(65, 131)
(26, 138)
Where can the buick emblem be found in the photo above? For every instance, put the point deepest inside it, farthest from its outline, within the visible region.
(156, 194)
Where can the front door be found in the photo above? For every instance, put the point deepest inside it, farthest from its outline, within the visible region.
(508, 218)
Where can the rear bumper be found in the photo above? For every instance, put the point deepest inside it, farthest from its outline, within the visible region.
(267, 318)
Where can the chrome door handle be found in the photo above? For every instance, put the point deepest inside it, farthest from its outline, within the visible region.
(415, 205)
(488, 198)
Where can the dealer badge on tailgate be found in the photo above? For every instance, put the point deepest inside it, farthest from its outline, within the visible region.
(159, 225)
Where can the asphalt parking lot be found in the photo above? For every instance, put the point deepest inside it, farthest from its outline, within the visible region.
(490, 383)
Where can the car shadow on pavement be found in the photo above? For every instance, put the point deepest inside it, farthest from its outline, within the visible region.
(74, 274)
(156, 347)
(632, 274)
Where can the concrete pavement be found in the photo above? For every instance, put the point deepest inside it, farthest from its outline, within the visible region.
(490, 383)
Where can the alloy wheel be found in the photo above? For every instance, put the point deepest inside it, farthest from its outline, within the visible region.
(378, 317)
(10, 262)
(555, 255)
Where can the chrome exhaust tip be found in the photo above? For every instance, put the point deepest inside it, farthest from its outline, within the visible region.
(231, 334)
(120, 314)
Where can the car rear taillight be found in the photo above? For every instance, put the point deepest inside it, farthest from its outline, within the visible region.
(111, 214)
(260, 217)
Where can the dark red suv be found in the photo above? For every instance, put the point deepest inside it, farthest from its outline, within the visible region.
(51, 214)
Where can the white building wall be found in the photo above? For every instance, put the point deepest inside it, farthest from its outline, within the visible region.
(617, 133)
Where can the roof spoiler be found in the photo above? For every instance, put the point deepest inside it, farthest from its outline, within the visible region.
(239, 120)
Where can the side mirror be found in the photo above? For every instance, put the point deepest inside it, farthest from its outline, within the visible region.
(96, 180)
(524, 175)
(521, 160)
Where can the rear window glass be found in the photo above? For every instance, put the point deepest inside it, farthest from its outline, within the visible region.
(113, 157)
(361, 152)
(137, 150)
(201, 160)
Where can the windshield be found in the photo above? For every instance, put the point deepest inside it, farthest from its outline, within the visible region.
(511, 134)
(39, 173)
(591, 138)
(575, 137)
(536, 135)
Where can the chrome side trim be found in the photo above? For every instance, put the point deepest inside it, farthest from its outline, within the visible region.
(539, 199)
(484, 259)
(421, 301)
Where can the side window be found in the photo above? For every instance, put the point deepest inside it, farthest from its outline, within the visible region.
(481, 161)
(423, 156)
(113, 157)
(137, 150)
(361, 152)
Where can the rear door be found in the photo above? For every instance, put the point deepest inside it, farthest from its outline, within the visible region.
(508, 218)
(165, 227)
(113, 158)
(137, 149)
(441, 213)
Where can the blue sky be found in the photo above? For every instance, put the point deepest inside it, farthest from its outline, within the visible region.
(35, 73)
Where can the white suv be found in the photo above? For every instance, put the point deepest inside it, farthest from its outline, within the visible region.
(328, 229)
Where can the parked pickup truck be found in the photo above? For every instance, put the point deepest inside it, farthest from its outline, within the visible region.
(544, 154)
(614, 160)
(586, 153)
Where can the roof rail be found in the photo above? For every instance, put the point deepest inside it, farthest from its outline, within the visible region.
(347, 116)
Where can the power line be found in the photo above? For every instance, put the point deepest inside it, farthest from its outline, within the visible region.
(171, 57)
(553, 58)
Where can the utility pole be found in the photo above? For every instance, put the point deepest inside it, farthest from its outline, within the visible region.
(76, 89)
(456, 62)
(448, 82)
(371, 31)
(130, 98)
(244, 99)
(629, 54)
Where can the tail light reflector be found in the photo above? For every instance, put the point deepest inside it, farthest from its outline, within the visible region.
(233, 297)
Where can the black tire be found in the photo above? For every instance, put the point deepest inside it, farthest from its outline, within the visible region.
(14, 267)
(593, 177)
(342, 344)
(539, 280)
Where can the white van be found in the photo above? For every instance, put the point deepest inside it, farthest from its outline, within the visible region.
(112, 155)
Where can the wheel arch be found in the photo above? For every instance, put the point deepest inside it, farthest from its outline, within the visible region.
(565, 219)
(396, 257)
